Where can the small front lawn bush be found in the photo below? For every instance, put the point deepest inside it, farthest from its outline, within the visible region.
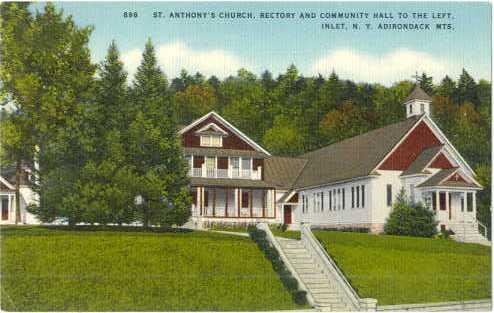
(410, 219)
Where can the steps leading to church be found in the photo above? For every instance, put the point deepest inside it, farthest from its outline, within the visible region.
(468, 232)
(326, 296)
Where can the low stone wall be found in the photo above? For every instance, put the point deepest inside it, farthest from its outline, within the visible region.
(471, 305)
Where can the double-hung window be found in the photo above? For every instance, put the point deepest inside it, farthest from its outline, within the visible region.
(211, 141)
(363, 196)
(389, 195)
(343, 198)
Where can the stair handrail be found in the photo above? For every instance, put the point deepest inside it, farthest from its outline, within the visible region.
(361, 304)
(275, 244)
(484, 229)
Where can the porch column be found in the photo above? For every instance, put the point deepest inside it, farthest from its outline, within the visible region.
(250, 201)
(474, 202)
(201, 198)
(198, 201)
(214, 201)
(227, 191)
(274, 201)
(11, 208)
(448, 209)
(229, 168)
(264, 202)
(239, 194)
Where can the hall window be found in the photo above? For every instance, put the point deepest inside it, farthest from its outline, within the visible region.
(330, 196)
(353, 197)
(343, 198)
(389, 194)
(358, 196)
(322, 201)
(334, 200)
(362, 188)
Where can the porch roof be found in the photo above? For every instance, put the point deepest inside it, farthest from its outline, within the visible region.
(227, 182)
(424, 158)
(440, 180)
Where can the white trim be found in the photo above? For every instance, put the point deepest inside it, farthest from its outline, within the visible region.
(414, 175)
(6, 183)
(230, 126)
(212, 125)
(290, 195)
(336, 182)
(458, 155)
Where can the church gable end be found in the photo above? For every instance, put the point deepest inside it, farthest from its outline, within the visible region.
(190, 139)
(456, 178)
(419, 139)
(441, 161)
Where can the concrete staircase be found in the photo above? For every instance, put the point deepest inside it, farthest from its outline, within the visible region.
(469, 232)
(326, 296)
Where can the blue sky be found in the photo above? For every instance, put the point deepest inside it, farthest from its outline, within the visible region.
(220, 47)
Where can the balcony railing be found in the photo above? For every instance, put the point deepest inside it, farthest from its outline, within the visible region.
(225, 173)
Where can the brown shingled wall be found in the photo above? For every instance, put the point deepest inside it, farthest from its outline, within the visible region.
(232, 141)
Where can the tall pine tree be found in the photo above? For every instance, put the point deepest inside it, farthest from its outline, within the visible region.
(155, 149)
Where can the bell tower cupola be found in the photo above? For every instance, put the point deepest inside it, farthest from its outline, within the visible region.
(418, 102)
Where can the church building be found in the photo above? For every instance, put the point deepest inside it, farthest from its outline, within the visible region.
(349, 184)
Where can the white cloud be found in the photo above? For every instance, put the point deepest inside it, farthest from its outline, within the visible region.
(175, 56)
(131, 60)
(386, 69)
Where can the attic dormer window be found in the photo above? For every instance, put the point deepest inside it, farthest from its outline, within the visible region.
(211, 135)
(211, 141)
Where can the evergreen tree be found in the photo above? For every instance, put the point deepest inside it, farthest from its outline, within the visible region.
(267, 80)
(107, 185)
(410, 219)
(155, 150)
(467, 89)
(426, 83)
(447, 87)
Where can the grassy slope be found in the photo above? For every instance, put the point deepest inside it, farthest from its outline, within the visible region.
(46, 270)
(411, 270)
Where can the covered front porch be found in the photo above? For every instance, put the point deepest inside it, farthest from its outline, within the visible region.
(452, 206)
(233, 203)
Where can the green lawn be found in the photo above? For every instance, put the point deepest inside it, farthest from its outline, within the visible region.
(53, 269)
(398, 270)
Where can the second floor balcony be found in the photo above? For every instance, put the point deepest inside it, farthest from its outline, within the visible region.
(224, 167)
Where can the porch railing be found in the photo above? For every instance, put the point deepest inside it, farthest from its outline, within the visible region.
(483, 229)
(224, 173)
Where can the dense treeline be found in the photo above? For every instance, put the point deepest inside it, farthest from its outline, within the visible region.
(101, 142)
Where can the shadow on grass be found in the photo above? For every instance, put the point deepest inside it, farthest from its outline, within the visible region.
(39, 229)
